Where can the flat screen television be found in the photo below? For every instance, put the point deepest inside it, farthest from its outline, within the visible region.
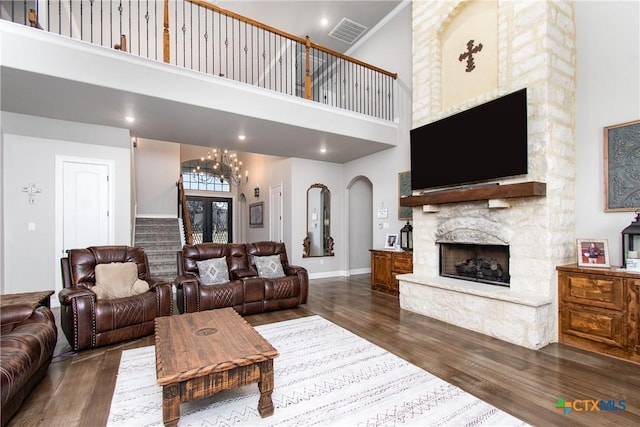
(481, 144)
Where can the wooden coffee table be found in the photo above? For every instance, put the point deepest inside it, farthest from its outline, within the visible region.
(200, 354)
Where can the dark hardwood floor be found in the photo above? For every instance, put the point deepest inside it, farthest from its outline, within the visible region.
(522, 382)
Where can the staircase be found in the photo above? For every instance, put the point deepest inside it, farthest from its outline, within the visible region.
(160, 238)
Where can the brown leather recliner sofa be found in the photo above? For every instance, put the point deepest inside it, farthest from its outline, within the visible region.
(88, 321)
(245, 290)
(28, 338)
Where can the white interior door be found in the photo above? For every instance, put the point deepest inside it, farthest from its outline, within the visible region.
(275, 214)
(85, 204)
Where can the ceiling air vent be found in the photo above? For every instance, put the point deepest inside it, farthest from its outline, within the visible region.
(347, 31)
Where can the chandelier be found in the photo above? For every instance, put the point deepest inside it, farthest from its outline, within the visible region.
(222, 165)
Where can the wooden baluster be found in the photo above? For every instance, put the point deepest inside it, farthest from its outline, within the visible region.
(123, 44)
(307, 76)
(167, 56)
(33, 19)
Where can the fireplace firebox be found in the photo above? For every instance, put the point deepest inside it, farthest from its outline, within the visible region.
(477, 263)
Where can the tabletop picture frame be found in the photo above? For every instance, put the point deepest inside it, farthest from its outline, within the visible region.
(391, 241)
(621, 167)
(256, 212)
(593, 252)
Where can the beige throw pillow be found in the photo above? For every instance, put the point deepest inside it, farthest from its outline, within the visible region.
(118, 280)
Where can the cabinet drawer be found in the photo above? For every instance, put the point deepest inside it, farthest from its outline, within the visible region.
(403, 263)
(633, 324)
(604, 326)
(598, 291)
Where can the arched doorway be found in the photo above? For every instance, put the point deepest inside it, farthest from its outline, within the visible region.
(360, 225)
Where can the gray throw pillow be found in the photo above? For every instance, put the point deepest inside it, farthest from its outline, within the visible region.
(213, 271)
(269, 267)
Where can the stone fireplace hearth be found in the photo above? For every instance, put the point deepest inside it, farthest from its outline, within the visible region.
(521, 312)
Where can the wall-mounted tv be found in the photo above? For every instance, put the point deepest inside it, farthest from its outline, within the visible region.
(484, 143)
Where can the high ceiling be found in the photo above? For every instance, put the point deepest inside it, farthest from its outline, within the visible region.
(308, 14)
(70, 104)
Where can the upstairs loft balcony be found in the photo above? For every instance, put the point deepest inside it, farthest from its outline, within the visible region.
(220, 63)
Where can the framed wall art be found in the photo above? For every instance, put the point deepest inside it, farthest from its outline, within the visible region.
(593, 253)
(622, 167)
(404, 189)
(256, 215)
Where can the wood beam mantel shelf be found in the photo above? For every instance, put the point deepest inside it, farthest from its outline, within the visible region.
(507, 191)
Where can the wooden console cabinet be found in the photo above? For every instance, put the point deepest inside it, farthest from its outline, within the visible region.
(385, 265)
(598, 310)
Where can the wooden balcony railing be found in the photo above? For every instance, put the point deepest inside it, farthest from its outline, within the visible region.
(183, 212)
(201, 36)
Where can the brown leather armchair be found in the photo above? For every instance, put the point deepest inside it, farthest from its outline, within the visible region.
(88, 321)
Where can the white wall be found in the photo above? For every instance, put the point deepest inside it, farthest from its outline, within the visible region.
(266, 172)
(360, 228)
(305, 173)
(29, 149)
(390, 49)
(608, 93)
(157, 169)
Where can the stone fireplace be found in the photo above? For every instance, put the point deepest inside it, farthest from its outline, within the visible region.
(532, 46)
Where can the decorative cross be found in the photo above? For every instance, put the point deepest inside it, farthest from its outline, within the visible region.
(469, 55)
(32, 190)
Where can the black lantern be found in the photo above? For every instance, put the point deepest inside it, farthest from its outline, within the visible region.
(406, 237)
(256, 191)
(631, 240)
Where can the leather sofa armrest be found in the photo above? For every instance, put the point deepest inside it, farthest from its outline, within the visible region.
(15, 313)
(67, 295)
(303, 277)
(292, 270)
(43, 312)
(157, 282)
(187, 293)
(164, 296)
(183, 279)
(243, 274)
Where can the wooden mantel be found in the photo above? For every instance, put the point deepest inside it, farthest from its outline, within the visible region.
(507, 191)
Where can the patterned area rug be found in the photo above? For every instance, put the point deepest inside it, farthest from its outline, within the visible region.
(324, 376)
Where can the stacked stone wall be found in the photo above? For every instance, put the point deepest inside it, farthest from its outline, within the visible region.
(536, 51)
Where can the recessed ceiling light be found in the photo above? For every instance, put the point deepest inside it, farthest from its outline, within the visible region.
(130, 119)
(324, 22)
(242, 137)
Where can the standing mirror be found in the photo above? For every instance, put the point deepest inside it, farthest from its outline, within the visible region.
(318, 241)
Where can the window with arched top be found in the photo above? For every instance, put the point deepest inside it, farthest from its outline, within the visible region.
(204, 176)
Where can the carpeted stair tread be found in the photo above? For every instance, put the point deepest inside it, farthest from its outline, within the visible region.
(160, 238)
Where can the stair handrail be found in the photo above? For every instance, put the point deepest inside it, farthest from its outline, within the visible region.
(307, 41)
(308, 44)
(183, 211)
